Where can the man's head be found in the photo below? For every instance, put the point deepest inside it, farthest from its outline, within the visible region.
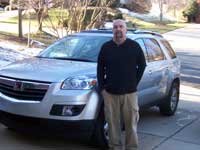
(119, 30)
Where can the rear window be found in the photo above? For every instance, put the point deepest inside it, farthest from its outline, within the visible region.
(141, 43)
(170, 50)
(154, 51)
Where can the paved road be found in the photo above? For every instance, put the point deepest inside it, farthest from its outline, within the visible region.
(186, 43)
(155, 131)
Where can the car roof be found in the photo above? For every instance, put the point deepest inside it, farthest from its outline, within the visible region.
(129, 32)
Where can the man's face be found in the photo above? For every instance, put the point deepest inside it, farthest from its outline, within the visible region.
(119, 29)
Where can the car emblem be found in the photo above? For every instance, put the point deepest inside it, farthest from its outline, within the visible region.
(18, 86)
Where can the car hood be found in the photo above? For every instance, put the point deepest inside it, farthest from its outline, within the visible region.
(47, 70)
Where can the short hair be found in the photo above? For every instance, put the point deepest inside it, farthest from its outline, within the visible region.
(121, 21)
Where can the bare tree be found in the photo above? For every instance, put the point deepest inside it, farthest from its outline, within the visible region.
(161, 2)
(57, 22)
(20, 33)
(11, 4)
(176, 5)
(76, 15)
(40, 8)
(77, 12)
(99, 10)
(172, 6)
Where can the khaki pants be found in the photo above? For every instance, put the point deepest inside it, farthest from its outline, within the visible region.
(121, 106)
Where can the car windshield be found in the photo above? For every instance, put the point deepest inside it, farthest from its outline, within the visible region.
(76, 47)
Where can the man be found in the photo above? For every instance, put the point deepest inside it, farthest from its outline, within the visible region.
(121, 64)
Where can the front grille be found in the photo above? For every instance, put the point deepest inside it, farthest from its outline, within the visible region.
(23, 90)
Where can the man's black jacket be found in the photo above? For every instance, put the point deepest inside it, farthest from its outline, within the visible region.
(120, 67)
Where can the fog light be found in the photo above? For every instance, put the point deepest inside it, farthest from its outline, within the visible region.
(66, 110)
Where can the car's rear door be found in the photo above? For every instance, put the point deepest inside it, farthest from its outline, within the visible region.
(159, 68)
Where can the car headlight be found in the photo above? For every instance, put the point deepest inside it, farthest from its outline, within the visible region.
(79, 83)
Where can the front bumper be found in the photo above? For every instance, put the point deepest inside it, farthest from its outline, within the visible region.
(81, 127)
(54, 96)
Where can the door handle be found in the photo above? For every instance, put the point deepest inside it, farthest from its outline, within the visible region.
(150, 71)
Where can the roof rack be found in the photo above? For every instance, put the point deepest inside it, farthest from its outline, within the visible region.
(147, 32)
(130, 30)
(105, 30)
(97, 31)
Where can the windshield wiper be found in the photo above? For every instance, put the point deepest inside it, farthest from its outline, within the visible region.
(40, 56)
(67, 58)
(74, 59)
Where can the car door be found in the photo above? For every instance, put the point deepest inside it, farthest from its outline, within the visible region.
(146, 86)
(158, 68)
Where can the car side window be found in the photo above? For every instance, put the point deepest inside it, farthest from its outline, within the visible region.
(154, 51)
(141, 43)
(170, 50)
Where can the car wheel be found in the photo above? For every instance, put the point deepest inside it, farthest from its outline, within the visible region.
(101, 132)
(169, 105)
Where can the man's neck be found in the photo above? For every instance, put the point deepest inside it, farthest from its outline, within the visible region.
(119, 41)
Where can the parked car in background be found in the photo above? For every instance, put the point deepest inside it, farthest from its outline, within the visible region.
(58, 90)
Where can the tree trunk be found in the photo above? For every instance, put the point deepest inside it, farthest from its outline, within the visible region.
(40, 14)
(20, 34)
(161, 10)
(40, 19)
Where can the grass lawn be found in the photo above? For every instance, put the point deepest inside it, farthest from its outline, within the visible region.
(156, 26)
(53, 15)
(5, 36)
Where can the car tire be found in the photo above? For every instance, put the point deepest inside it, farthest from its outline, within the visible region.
(169, 105)
(100, 135)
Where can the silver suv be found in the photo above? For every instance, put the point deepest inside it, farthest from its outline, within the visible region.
(58, 90)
